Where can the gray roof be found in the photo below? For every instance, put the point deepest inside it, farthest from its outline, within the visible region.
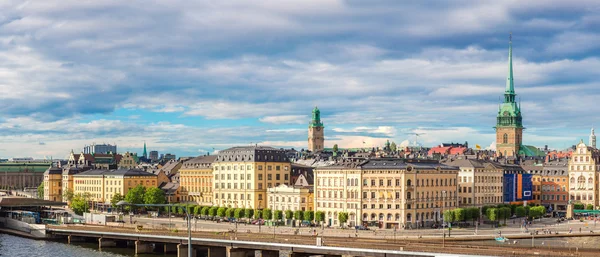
(394, 163)
(53, 170)
(252, 154)
(204, 161)
(466, 163)
(121, 172)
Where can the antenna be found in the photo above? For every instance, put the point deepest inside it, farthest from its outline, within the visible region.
(416, 136)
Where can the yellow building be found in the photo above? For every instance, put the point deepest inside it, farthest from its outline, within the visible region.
(386, 193)
(67, 179)
(53, 184)
(103, 184)
(583, 175)
(292, 198)
(243, 174)
(480, 183)
(196, 176)
(337, 189)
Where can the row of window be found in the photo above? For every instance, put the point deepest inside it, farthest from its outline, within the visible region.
(249, 167)
(249, 176)
(237, 196)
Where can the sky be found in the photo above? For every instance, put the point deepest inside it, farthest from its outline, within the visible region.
(191, 77)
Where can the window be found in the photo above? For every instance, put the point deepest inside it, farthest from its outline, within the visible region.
(259, 167)
(260, 176)
(286, 176)
(277, 176)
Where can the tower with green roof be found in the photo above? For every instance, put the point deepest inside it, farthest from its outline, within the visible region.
(509, 124)
(316, 138)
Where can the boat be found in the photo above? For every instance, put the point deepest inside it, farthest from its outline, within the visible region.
(501, 239)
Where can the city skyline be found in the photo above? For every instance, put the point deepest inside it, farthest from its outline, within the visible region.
(208, 76)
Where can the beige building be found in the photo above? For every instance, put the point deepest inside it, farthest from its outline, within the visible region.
(243, 174)
(53, 184)
(583, 175)
(403, 194)
(480, 183)
(386, 193)
(196, 177)
(128, 161)
(102, 185)
(337, 189)
(293, 198)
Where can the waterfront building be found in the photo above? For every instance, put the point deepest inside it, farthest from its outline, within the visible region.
(293, 198)
(536, 170)
(102, 184)
(20, 175)
(316, 138)
(583, 174)
(479, 183)
(337, 189)
(53, 184)
(555, 185)
(100, 149)
(243, 174)
(196, 180)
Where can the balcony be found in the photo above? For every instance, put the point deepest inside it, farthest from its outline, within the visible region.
(409, 188)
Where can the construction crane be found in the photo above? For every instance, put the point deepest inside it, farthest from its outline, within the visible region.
(416, 136)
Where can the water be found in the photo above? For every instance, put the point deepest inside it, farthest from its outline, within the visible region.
(12, 246)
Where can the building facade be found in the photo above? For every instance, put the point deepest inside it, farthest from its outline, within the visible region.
(555, 185)
(243, 174)
(583, 175)
(292, 198)
(20, 175)
(316, 137)
(337, 189)
(509, 125)
(154, 156)
(196, 180)
(101, 185)
(53, 184)
(128, 161)
(479, 183)
(592, 139)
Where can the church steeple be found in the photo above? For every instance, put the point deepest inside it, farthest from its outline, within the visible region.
(509, 92)
(145, 153)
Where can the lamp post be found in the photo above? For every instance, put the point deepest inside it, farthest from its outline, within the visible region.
(443, 209)
(188, 223)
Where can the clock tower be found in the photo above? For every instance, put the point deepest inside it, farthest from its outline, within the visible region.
(316, 138)
(509, 124)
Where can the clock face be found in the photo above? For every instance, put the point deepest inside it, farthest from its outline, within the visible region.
(505, 113)
(318, 128)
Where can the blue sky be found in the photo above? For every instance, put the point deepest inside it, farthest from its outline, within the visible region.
(190, 76)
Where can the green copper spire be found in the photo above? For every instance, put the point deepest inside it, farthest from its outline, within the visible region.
(144, 154)
(509, 93)
(316, 118)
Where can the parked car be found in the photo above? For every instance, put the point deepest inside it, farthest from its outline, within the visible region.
(361, 228)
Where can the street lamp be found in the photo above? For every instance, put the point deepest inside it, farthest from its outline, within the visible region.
(189, 222)
(443, 208)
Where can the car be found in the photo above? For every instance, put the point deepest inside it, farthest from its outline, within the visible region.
(361, 228)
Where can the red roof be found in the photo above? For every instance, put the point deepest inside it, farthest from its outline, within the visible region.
(458, 150)
(439, 150)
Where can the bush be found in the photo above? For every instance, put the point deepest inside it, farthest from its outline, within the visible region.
(249, 213)
(589, 207)
(309, 215)
(578, 206)
(267, 214)
(204, 210)
(298, 215)
(213, 211)
(229, 213)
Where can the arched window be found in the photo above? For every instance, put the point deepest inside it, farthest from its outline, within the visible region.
(580, 182)
(505, 139)
(591, 183)
(409, 182)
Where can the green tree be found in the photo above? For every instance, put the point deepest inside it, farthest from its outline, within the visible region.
(459, 214)
(319, 216)
(507, 213)
(468, 214)
(79, 204)
(212, 211)
(484, 210)
(154, 195)
(298, 215)
(588, 207)
(69, 194)
(520, 211)
(40, 191)
(289, 215)
(309, 215)
(492, 214)
(258, 214)
(249, 213)
(335, 148)
(278, 215)
(449, 216)
(221, 212)
(117, 197)
(393, 147)
(578, 206)
(167, 209)
(136, 195)
(174, 209)
(267, 214)
(197, 210)
(230, 212)
(474, 214)
(342, 217)
(180, 209)
(204, 211)
(238, 213)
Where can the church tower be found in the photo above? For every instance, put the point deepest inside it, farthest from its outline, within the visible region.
(316, 138)
(509, 124)
(593, 139)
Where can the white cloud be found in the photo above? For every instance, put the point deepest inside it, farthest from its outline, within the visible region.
(285, 119)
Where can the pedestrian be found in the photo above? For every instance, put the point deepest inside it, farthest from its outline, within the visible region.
(579, 230)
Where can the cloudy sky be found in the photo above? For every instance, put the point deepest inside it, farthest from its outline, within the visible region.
(190, 76)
